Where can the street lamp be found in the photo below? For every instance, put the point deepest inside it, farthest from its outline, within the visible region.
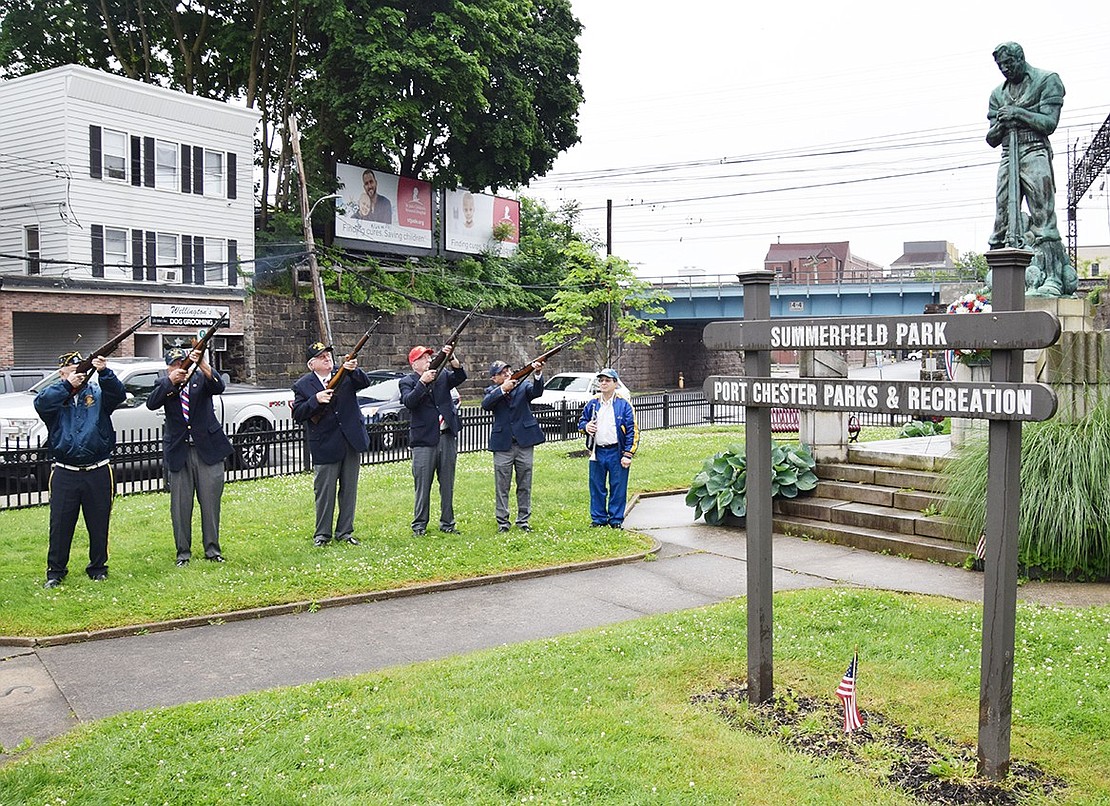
(323, 321)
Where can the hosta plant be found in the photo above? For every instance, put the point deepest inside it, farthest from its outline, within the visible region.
(720, 487)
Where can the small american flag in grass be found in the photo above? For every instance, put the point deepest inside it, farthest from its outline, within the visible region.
(846, 691)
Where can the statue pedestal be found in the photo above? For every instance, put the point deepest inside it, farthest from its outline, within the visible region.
(1077, 367)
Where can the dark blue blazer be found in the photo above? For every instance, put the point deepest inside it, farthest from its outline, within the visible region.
(512, 416)
(429, 403)
(342, 423)
(203, 428)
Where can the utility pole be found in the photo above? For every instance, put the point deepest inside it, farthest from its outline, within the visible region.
(323, 325)
(609, 302)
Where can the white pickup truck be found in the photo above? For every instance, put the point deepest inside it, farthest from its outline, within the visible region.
(249, 414)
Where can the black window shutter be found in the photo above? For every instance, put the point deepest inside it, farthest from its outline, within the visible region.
(97, 231)
(198, 170)
(186, 169)
(232, 263)
(96, 157)
(151, 256)
(198, 260)
(231, 176)
(148, 162)
(136, 160)
(137, 255)
(186, 258)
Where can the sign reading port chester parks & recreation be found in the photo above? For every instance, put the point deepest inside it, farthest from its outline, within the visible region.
(994, 401)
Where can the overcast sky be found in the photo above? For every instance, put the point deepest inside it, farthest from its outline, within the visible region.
(709, 124)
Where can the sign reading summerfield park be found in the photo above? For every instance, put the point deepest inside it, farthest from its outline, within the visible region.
(994, 401)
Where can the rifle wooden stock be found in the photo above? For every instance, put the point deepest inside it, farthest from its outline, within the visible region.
(527, 369)
(201, 345)
(105, 349)
(439, 358)
(341, 371)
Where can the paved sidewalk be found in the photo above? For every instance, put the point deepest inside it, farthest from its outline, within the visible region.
(45, 691)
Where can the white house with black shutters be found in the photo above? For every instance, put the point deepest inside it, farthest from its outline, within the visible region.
(117, 190)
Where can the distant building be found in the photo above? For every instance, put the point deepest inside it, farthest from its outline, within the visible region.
(120, 200)
(921, 259)
(804, 263)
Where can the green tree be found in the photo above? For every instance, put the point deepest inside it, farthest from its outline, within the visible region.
(970, 267)
(604, 304)
(478, 94)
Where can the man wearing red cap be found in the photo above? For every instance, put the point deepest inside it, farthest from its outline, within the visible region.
(433, 429)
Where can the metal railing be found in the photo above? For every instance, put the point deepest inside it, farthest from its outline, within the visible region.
(137, 460)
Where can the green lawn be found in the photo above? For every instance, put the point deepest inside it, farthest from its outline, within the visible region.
(608, 716)
(266, 536)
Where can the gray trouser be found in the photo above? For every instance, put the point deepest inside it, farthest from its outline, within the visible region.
(206, 483)
(343, 473)
(427, 463)
(504, 463)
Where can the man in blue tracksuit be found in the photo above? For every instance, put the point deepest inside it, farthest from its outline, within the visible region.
(609, 423)
(78, 417)
(514, 435)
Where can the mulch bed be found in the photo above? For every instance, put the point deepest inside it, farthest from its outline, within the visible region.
(929, 768)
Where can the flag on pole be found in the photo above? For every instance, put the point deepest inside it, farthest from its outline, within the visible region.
(846, 691)
(981, 546)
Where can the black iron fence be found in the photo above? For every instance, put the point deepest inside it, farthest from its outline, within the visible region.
(137, 461)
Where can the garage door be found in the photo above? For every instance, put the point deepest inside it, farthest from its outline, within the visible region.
(39, 338)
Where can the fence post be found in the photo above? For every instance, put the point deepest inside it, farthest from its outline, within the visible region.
(666, 410)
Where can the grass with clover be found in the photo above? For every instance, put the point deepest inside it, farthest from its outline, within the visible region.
(266, 536)
(608, 716)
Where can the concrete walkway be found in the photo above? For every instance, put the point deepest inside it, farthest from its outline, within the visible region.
(45, 691)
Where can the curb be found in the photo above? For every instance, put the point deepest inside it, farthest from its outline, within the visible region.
(291, 608)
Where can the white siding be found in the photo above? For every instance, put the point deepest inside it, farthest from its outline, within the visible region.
(32, 170)
(55, 111)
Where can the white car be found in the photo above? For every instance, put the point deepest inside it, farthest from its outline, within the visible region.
(566, 394)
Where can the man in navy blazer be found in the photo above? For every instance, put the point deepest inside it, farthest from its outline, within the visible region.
(336, 436)
(194, 447)
(515, 433)
(433, 429)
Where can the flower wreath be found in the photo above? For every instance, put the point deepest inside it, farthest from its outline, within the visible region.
(970, 303)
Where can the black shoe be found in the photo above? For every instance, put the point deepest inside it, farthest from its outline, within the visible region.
(354, 541)
(598, 524)
(502, 528)
(320, 541)
(449, 530)
(101, 577)
(417, 532)
(182, 562)
(616, 525)
(525, 527)
(52, 583)
(219, 558)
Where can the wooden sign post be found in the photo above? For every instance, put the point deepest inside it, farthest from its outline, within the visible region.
(1006, 402)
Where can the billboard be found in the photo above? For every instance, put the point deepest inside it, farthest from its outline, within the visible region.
(382, 208)
(469, 220)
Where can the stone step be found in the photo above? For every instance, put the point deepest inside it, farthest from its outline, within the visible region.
(918, 547)
(879, 495)
(861, 454)
(898, 478)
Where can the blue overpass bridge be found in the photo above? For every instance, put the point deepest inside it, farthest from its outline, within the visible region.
(704, 299)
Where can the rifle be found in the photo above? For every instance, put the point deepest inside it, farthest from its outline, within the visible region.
(526, 370)
(201, 345)
(105, 349)
(439, 358)
(335, 379)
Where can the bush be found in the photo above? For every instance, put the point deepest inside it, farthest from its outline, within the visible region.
(1064, 523)
(923, 428)
(721, 486)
